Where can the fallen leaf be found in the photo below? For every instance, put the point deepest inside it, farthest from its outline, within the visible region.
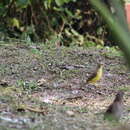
(4, 83)
(41, 81)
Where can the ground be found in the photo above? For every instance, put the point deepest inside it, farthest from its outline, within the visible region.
(44, 87)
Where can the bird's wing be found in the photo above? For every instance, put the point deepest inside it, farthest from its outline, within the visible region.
(110, 109)
(92, 76)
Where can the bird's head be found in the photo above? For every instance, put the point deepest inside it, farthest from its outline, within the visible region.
(100, 65)
(119, 96)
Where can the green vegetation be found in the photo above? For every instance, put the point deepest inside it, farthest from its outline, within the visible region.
(59, 22)
(28, 86)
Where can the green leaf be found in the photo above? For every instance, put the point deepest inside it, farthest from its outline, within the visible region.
(22, 3)
(14, 22)
(69, 13)
(2, 10)
(59, 2)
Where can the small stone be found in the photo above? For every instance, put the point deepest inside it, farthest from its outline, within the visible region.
(70, 113)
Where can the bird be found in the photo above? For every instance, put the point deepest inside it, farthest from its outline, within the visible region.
(115, 110)
(97, 75)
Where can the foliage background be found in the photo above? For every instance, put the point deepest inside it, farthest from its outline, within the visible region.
(58, 22)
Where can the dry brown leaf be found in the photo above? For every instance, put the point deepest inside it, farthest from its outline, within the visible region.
(31, 109)
(4, 83)
(37, 110)
(41, 81)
